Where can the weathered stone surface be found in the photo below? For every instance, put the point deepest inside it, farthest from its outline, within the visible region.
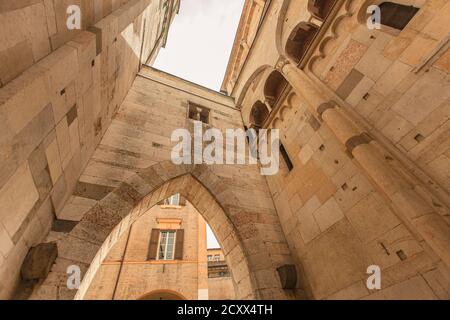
(39, 261)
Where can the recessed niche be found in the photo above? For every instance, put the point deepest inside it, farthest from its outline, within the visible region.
(419, 138)
(401, 255)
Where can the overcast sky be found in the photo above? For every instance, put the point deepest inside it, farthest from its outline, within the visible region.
(200, 41)
(199, 45)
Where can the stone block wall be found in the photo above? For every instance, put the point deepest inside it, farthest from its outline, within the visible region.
(336, 218)
(338, 223)
(221, 289)
(130, 171)
(398, 82)
(55, 106)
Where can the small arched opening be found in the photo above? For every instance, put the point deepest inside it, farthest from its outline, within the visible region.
(258, 115)
(299, 40)
(320, 8)
(274, 88)
(162, 295)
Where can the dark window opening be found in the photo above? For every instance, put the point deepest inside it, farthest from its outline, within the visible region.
(199, 113)
(299, 40)
(286, 158)
(258, 114)
(274, 88)
(320, 8)
(396, 15)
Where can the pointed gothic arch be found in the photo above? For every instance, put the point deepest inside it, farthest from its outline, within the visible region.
(234, 224)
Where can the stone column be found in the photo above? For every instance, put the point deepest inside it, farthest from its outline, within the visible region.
(410, 205)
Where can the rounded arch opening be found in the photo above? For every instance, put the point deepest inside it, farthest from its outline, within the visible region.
(274, 88)
(394, 15)
(258, 114)
(163, 294)
(252, 79)
(320, 8)
(299, 40)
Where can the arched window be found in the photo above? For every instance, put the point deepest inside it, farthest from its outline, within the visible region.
(396, 15)
(274, 88)
(258, 114)
(299, 40)
(320, 8)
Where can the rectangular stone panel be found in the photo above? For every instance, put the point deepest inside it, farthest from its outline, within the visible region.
(350, 82)
(17, 197)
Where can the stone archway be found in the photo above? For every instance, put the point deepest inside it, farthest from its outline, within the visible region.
(162, 295)
(251, 240)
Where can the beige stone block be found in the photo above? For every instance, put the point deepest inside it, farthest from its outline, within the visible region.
(431, 90)
(74, 137)
(360, 91)
(63, 138)
(54, 160)
(15, 60)
(392, 77)
(23, 98)
(397, 128)
(50, 14)
(412, 289)
(17, 198)
(373, 64)
(353, 292)
(371, 217)
(85, 43)
(305, 154)
(328, 214)
(438, 25)
(384, 248)
(439, 283)
(332, 267)
(398, 44)
(443, 63)
(6, 244)
(309, 229)
(418, 51)
(62, 68)
(35, 23)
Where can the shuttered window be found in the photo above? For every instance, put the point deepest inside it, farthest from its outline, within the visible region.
(179, 245)
(153, 247)
(166, 245)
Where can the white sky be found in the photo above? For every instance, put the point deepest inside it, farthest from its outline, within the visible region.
(199, 46)
(200, 41)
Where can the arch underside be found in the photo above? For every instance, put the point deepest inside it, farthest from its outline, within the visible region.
(243, 233)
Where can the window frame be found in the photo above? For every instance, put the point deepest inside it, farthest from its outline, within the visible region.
(204, 109)
(165, 258)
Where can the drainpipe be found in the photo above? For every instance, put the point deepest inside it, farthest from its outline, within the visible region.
(121, 264)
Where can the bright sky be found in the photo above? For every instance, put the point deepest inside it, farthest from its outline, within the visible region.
(199, 46)
(200, 41)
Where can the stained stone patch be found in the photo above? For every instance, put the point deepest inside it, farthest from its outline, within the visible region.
(39, 261)
(92, 191)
